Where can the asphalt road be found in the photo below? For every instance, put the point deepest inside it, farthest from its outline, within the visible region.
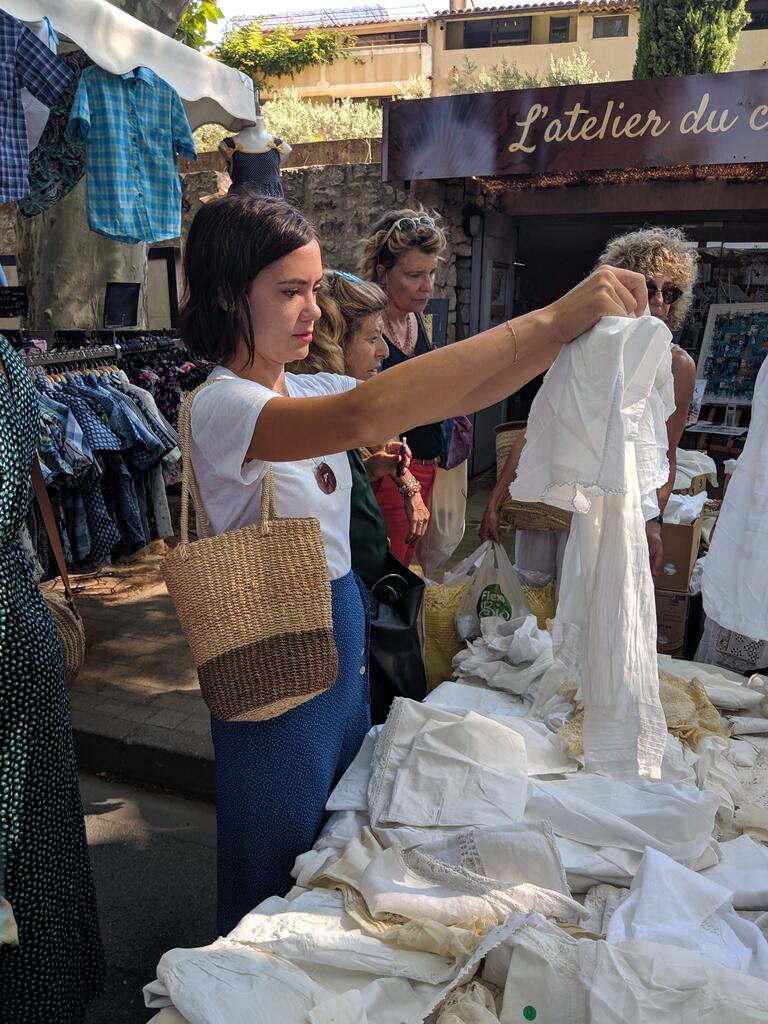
(154, 862)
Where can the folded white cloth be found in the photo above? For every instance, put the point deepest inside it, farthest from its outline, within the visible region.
(674, 906)
(596, 445)
(684, 509)
(526, 852)
(741, 725)
(743, 870)
(604, 825)
(691, 464)
(735, 594)
(544, 755)
(646, 983)
(727, 690)
(433, 768)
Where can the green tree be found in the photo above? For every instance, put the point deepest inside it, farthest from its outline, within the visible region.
(498, 78)
(578, 69)
(264, 56)
(688, 37)
(193, 27)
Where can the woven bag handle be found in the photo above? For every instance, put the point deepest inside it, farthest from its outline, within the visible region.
(189, 480)
(44, 503)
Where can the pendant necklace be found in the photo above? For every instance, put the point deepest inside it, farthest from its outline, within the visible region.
(405, 348)
(325, 478)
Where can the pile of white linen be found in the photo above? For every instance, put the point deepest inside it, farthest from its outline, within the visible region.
(461, 830)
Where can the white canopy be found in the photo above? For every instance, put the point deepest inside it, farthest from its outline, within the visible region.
(117, 42)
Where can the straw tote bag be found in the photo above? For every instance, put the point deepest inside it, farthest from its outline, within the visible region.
(254, 604)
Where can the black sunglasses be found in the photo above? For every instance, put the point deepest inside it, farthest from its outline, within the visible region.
(670, 292)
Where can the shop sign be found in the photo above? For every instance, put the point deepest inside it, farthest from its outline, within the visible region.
(13, 303)
(656, 122)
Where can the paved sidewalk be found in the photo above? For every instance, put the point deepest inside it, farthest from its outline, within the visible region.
(136, 706)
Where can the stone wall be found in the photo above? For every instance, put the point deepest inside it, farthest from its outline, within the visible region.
(343, 201)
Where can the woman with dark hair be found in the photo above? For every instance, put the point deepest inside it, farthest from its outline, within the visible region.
(253, 271)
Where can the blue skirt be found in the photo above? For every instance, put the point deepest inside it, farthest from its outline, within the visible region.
(274, 778)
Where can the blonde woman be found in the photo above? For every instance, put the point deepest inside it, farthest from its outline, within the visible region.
(401, 255)
(348, 340)
(668, 263)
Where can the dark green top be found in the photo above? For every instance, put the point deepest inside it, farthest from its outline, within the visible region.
(367, 528)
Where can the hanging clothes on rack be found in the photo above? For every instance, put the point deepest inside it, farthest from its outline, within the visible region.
(108, 452)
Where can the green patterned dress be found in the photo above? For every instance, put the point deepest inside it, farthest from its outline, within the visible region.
(57, 968)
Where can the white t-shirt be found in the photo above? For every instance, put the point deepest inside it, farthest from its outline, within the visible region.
(224, 416)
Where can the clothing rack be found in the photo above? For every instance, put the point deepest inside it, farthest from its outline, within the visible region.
(136, 345)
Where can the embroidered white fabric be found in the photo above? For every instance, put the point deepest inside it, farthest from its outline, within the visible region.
(735, 594)
(413, 884)
(596, 445)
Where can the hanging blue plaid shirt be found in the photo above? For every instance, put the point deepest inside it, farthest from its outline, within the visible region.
(133, 126)
(24, 61)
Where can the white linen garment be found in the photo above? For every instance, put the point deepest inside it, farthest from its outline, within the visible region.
(736, 567)
(596, 445)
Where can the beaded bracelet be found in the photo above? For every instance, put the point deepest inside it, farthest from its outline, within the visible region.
(408, 490)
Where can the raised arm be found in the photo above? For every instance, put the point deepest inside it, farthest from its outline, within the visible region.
(455, 380)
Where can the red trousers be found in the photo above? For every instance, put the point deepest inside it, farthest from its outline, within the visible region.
(392, 505)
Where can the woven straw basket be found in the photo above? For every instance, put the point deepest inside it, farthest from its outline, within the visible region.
(254, 604)
(520, 514)
(71, 632)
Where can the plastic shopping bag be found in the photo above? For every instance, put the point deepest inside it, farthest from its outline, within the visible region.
(494, 590)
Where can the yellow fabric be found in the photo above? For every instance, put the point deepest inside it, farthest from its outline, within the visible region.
(541, 601)
(689, 712)
(441, 643)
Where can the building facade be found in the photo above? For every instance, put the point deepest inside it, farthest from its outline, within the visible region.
(394, 52)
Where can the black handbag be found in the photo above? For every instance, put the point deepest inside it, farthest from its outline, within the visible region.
(396, 662)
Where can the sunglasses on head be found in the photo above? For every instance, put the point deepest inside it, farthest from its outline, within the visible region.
(407, 224)
(670, 292)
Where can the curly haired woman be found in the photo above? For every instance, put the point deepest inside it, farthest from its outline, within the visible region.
(669, 263)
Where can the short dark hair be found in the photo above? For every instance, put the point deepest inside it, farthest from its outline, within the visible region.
(232, 240)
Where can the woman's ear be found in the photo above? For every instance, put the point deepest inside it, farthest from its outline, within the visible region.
(381, 272)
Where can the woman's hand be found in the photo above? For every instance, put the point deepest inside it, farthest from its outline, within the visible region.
(489, 527)
(607, 292)
(655, 546)
(418, 518)
(384, 462)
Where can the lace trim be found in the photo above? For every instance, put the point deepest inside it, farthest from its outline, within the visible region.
(508, 897)
(382, 754)
(471, 858)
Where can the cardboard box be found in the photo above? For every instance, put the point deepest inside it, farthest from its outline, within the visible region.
(698, 484)
(671, 622)
(681, 549)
